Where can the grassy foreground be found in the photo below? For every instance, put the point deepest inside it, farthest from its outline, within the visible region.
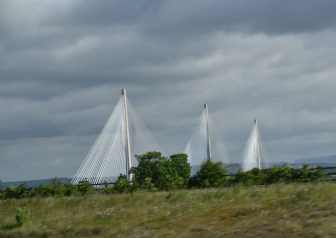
(293, 210)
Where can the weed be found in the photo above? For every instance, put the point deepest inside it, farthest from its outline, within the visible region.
(22, 216)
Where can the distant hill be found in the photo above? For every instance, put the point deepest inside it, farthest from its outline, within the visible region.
(35, 183)
(232, 168)
(323, 160)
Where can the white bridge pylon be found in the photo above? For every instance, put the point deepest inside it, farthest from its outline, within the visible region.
(110, 155)
(204, 145)
(253, 155)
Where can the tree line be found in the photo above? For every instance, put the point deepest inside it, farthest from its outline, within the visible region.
(156, 172)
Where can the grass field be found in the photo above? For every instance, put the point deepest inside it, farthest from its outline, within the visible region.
(294, 210)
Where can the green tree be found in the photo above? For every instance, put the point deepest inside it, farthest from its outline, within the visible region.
(164, 173)
(181, 165)
(211, 174)
(148, 166)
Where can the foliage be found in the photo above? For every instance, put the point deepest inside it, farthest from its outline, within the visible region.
(181, 165)
(211, 174)
(121, 186)
(156, 172)
(252, 177)
(149, 185)
(17, 192)
(84, 187)
(164, 173)
(277, 174)
(22, 215)
(1, 190)
(54, 188)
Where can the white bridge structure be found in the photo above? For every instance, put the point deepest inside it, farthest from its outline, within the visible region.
(253, 155)
(111, 153)
(204, 145)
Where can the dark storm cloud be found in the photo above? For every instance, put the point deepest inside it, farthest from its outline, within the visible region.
(64, 62)
(269, 16)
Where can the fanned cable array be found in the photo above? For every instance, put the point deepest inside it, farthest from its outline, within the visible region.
(106, 159)
(253, 154)
(203, 144)
(111, 154)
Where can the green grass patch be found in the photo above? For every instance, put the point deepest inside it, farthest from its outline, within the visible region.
(279, 210)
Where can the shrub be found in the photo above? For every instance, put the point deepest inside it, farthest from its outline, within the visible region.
(55, 188)
(22, 215)
(122, 184)
(252, 177)
(277, 174)
(84, 188)
(149, 185)
(283, 173)
(164, 173)
(179, 163)
(211, 174)
(19, 191)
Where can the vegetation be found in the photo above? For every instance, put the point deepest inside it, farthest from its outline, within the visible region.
(256, 203)
(156, 172)
(164, 173)
(210, 175)
(278, 210)
(15, 191)
(121, 186)
(277, 174)
(22, 216)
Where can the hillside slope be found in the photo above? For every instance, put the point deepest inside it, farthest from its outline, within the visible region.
(331, 159)
(295, 210)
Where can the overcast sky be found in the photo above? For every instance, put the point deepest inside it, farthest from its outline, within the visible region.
(63, 63)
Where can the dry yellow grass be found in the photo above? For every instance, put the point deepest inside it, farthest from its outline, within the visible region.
(294, 210)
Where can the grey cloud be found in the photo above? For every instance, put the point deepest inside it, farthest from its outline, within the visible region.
(62, 68)
(182, 16)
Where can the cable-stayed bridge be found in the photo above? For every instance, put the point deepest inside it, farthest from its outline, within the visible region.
(125, 134)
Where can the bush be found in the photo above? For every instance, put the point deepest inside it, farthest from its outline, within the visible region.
(253, 177)
(84, 188)
(180, 163)
(122, 184)
(277, 174)
(17, 192)
(22, 216)
(55, 188)
(149, 185)
(211, 174)
(164, 173)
